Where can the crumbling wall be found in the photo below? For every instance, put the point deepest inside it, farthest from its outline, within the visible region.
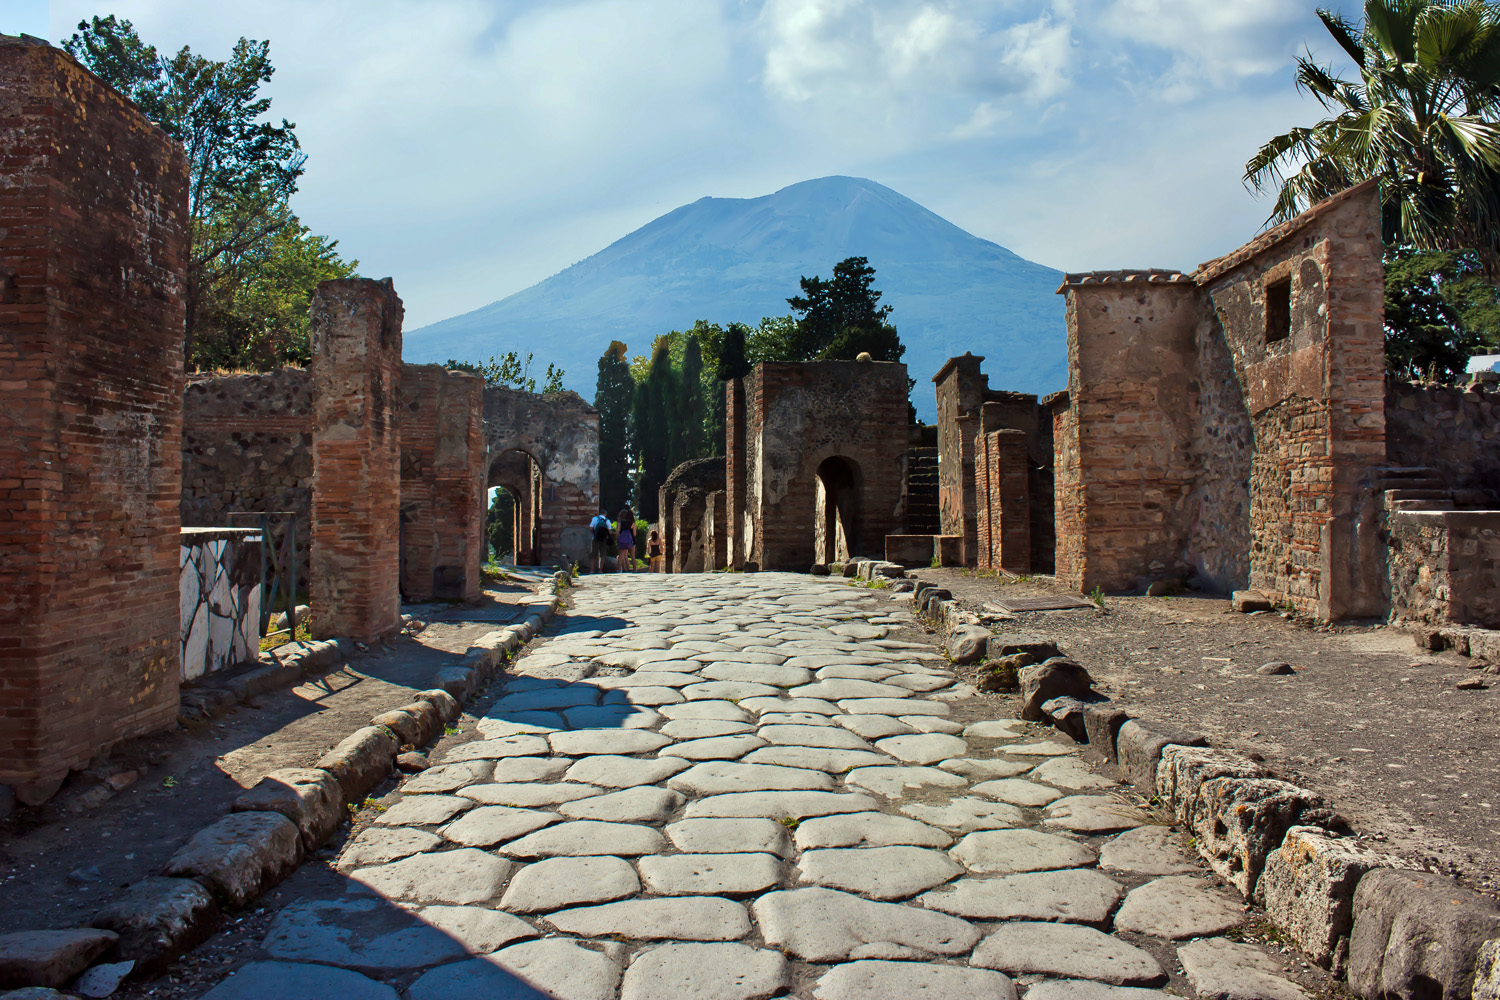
(1451, 430)
(247, 447)
(685, 501)
(1444, 565)
(443, 476)
(356, 375)
(93, 252)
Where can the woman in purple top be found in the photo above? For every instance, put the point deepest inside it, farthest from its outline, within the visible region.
(625, 542)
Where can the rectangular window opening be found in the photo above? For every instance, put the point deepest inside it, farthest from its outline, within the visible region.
(1278, 310)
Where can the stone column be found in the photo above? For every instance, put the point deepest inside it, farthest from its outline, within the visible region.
(356, 372)
(734, 449)
(1010, 501)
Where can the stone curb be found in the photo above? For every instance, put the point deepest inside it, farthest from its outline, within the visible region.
(273, 826)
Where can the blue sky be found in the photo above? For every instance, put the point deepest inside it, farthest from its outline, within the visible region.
(470, 148)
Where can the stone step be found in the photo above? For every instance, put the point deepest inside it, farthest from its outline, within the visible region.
(1405, 494)
(1419, 505)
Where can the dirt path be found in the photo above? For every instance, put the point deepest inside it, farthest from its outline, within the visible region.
(1369, 720)
(58, 870)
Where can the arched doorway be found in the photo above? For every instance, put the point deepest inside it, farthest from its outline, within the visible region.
(519, 477)
(838, 510)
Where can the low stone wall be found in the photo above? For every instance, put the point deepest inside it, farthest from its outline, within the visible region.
(220, 591)
(1445, 567)
(1454, 431)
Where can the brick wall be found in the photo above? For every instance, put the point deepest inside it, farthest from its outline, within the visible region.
(247, 446)
(960, 389)
(1445, 567)
(93, 246)
(356, 374)
(1453, 431)
(1004, 501)
(443, 476)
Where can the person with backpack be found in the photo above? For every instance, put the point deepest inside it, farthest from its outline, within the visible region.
(625, 540)
(599, 548)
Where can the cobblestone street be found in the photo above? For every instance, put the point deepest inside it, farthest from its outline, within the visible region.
(740, 786)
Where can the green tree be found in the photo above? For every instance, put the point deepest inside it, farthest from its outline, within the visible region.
(732, 360)
(501, 527)
(1421, 118)
(242, 169)
(840, 318)
(1439, 310)
(613, 397)
(690, 430)
(512, 372)
(653, 419)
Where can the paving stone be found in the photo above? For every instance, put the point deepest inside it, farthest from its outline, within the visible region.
(644, 804)
(545, 699)
(645, 679)
(449, 777)
(423, 810)
(724, 836)
(239, 856)
(1067, 950)
(790, 706)
(985, 770)
(1146, 850)
(870, 829)
(1075, 896)
(679, 918)
(374, 934)
(835, 688)
(612, 771)
(727, 691)
(505, 746)
(696, 729)
(932, 724)
(1004, 852)
(1224, 970)
(514, 723)
(742, 656)
(379, 844)
(861, 980)
(895, 782)
(966, 814)
(718, 711)
(523, 795)
(297, 981)
(776, 675)
(921, 683)
(926, 748)
(779, 805)
(857, 671)
(817, 758)
(873, 727)
(796, 719)
(1081, 989)
(1071, 774)
(825, 925)
(715, 748)
(705, 972)
(613, 717)
(710, 874)
(828, 737)
(551, 969)
(896, 872)
(560, 882)
(892, 706)
(605, 741)
(1018, 792)
(490, 825)
(719, 776)
(997, 729)
(643, 696)
(519, 769)
(457, 877)
(50, 957)
(1093, 814)
(1046, 748)
(1177, 907)
(580, 838)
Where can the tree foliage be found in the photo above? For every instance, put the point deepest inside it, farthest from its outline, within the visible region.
(252, 264)
(511, 372)
(652, 416)
(1439, 310)
(613, 397)
(841, 318)
(501, 524)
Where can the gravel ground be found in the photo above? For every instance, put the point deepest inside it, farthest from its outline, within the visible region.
(1369, 720)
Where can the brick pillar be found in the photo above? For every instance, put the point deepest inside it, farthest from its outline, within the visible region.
(93, 248)
(734, 473)
(356, 372)
(986, 495)
(443, 466)
(1009, 501)
(968, 433)
(714, 540)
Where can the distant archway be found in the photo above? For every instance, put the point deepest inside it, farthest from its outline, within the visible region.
(520, 476)
(839, 501)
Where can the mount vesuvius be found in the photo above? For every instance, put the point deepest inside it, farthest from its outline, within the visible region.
(728, 259)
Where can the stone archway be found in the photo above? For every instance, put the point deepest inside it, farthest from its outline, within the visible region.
(519, 474)
(839, 510)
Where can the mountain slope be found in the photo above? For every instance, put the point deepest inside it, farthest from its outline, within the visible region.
(724, 259)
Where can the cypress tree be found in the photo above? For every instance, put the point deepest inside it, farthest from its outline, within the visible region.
(690, 402)
(613, 398)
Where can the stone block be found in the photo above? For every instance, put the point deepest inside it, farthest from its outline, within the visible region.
(1246, 601)
(909, 550)
(967, 644)
(1484, 644)
(1307, 890)
(1240, 821)
(949, 549)
(889, 571)
(458, 682)
(1010, 643)
(851, 570)
(406, 726)
(1101, 726)
(446, 705)
(240, 856)
(1066, 713)
(158, 920)
(50, 958)
(1417, 936)
(1051, 679)
(1003, 674)
(1487, 975)
(1182, 770)
(360, 761)
(1139, 746)
(308, 796)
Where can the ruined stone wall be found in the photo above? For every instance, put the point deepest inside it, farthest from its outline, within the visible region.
(356, 374)
(247, 447)
(961, 390)
(1453, 431)
(1219, 537)
(1444, 566)
(1004, 494)
(798, 416)
(444, 469)
(93, 245)
(685, 500)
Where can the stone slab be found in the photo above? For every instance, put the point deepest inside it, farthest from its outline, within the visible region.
(870, 829)
(644, 804)
(722, 836)
(614, 771)
(373, 934)
(50, 958)
(710, 874)
(1093, 814)
(1178, 907)
(1006, 852)
(817, 758)
(557, 883)
(897, 782)
(1147, 850)
(487, 826)
(719, 971)
(1075, 896)
(924, 748)
(873, 727)
(827, 737)
(1066, 950)
(824, 925)
(779, 805)
(966, 814)
(895, 872)
(297, 981)
(682, 918)
(551, 969)
(1224, 970)
(867, 979)
(587, 743)
(715, 748)
(719, 777)
(458, 878)
(582, 838)
(423, 810)
(1018, 792)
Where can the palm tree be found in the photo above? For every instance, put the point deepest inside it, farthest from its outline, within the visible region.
(1422, 118)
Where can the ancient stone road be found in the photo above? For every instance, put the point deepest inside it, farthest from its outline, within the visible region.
(740, 786)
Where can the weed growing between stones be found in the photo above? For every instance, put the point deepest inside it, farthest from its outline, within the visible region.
(1097, 596)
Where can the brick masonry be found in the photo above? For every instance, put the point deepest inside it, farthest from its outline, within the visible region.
(1453, 431)
(93, 244)
(443, 476)
(1444, 565)
(356, 372)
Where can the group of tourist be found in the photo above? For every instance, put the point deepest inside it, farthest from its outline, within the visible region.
(621, 534)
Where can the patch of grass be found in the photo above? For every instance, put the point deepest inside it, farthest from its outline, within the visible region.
(936, 563)
(370, 803)
(275, 639)
(1097, 596)
(169, 782)
(790, 822)
(451, 731)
